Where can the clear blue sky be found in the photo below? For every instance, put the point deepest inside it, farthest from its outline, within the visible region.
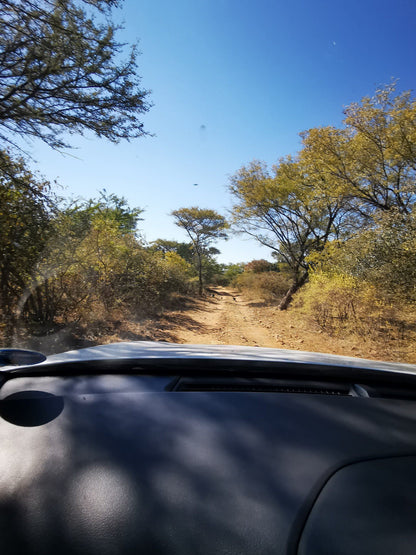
(234, 80)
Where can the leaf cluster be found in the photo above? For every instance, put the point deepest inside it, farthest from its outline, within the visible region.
(203, 226)
(285, 209)
(62, 71)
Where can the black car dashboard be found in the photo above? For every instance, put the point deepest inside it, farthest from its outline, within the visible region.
(206, 458)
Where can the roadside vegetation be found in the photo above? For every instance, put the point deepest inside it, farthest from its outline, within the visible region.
(340, 219)
(264, 280)
(338, 216)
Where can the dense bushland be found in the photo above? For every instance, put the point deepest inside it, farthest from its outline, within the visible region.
(341, 216)
(338, 188)
(366, 285)
(65, 264)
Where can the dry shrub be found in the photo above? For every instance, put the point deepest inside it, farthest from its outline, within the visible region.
(341, 304)
(269, 286)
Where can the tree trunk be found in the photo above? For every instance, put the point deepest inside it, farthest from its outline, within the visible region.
(284, 303)
(200, 273)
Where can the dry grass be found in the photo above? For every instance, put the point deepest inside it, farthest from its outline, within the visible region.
(295, 330)
(268, 286)
(392, 340)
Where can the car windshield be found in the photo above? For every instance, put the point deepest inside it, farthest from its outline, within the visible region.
(223, 173)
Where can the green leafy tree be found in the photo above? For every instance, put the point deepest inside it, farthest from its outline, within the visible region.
(231, 271)
(26, 212)
(203, 227)
(62, 71)
(184, 250)
(287, 210)
(89, 245)
(371, 160)
(382, 256)
(77, 258)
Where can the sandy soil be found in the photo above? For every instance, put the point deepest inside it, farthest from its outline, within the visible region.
(225, 317)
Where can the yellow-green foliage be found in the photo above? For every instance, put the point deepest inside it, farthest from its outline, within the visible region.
(270, 286)
(383, 256)
(94, 265)
(339, 304)
(231, 272)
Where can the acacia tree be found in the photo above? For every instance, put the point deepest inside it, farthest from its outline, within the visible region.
(371, 160)
(366, 167)
(61, 70)
(287, 210)
(203, 226)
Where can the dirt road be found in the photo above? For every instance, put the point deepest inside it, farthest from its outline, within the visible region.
(225, 318)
